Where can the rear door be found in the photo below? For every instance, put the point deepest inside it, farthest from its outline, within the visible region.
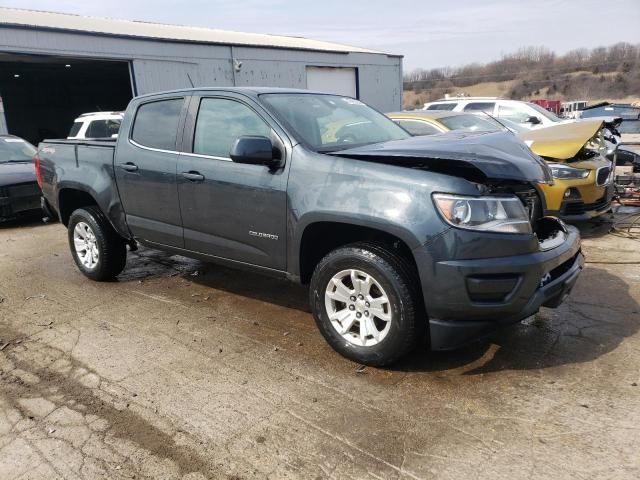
(231, 210)
(145, 169)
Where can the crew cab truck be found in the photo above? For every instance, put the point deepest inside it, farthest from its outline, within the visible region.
(401, 238)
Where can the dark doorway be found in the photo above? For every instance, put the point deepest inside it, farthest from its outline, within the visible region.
(42, 95)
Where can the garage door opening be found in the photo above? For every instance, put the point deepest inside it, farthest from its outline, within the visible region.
(42, 95)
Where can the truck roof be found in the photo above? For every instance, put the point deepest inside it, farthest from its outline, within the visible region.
(254, 91)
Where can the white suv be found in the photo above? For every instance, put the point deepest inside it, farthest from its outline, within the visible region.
(96, 125)
(528, 114)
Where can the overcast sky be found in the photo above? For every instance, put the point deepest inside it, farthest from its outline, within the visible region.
(428, 33)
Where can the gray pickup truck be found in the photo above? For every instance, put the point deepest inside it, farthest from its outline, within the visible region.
(402, 239)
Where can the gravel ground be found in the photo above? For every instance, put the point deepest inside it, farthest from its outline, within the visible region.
(186, 370)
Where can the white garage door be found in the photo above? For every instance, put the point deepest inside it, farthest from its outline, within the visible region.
(341, 81)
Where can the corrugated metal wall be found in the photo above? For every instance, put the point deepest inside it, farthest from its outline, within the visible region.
(164, 65)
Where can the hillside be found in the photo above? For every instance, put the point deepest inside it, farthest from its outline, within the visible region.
(605, 73)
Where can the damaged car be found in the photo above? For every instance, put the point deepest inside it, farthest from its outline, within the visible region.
(578, 154)
(19, 192)
(399, 238)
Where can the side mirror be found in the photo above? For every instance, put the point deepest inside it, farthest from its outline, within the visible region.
(255, 150)
(533, 120)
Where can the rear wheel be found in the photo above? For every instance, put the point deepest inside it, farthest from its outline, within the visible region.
(99, 252)
(364, 300)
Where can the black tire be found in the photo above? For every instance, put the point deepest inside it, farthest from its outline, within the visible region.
(112, 249)
(398, 279)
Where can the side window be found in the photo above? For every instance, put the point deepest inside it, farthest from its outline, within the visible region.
(156, 124)
(220, 122)
(102, 128)
(75, 129)
(113, 127)
(486, 107)
(442, 106)
(416, 127)
(514, 113)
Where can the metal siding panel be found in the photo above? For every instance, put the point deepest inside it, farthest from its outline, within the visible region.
(158, 75)
(160, 65)
(381, 87)
(257, 73)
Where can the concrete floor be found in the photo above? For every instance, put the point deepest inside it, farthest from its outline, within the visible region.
(186, 370)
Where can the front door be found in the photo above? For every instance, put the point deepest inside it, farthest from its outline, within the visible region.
(145, 168)
(231, 210)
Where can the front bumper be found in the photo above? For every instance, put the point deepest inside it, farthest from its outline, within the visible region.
(579, 210)
(472, 298)
(19, 200)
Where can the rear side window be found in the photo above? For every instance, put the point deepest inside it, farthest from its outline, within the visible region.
(75, 129)
(220, 122)
(156, 124)
(417, 127)
(103, 128)
(486, 107)
(442, 106)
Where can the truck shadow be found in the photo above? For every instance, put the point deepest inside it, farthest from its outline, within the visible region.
(21, 222)
(597, 317)
(147, 263)
(597, 227)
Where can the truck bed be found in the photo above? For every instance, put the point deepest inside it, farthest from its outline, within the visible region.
(81, 164)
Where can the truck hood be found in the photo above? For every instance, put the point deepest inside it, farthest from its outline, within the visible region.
(16, 172)
(562, 141)
(474, 156)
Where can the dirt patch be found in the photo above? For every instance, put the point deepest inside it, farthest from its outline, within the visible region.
(25, 380)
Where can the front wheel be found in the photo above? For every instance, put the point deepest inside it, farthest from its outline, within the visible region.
(98, 251)
(365, 303)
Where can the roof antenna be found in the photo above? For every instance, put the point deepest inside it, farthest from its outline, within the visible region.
(190, 81)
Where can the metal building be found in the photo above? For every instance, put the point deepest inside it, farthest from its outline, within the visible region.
(55, 66)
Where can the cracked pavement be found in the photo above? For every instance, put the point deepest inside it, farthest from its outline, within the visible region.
(183, 370)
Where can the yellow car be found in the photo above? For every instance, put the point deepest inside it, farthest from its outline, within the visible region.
(574, 151)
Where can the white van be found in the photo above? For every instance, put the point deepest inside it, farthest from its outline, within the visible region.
(528, 114)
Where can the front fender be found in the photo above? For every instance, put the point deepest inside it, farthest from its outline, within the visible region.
(387, 198)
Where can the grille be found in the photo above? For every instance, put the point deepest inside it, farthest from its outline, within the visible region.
(578, 208)
(531, 202)
(603, 175)
(527, 195)
(559, 270)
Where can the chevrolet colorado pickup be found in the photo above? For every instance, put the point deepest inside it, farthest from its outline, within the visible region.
(401, 238)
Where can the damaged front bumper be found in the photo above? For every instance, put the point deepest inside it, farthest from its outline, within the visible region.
(473, 297)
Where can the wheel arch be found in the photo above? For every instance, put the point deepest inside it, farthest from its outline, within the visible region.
(72, 196)
(317, 238)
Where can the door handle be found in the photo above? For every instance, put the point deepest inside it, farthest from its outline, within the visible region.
(129, 167)
(193, 176)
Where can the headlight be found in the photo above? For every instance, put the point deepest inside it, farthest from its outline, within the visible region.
(559, 170)
(489, 214)
(597, 144)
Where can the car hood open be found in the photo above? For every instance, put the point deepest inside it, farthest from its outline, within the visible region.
(12, 173)
(474, 156)
(561, 141)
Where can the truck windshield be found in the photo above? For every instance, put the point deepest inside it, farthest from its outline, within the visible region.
(13, 149)
(329, 123)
